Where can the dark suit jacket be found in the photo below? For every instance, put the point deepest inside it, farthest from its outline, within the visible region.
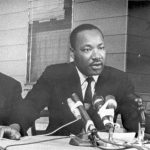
(10, 94)
(58, 82)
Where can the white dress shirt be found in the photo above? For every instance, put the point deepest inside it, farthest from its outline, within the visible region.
(84, 83)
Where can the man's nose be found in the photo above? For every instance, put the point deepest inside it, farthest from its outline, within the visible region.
(96, 54)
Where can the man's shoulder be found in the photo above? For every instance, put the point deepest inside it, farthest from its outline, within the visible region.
(59, 66)
(5, 77)
(59, 70)
(114, 71)
(7, 80)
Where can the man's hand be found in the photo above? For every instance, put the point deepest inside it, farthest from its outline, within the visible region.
(10, 132)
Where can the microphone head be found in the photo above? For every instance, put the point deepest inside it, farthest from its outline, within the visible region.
(75, 97)
(98, 102)
(111, 101)
(135, 99)
(73, 108)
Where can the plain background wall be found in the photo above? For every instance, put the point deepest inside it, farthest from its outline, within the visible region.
(138, 45)
(14, 38)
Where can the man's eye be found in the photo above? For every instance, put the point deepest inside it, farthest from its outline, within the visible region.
(86, 49)
(101, 48)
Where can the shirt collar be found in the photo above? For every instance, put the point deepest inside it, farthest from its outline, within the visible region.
(83, 77)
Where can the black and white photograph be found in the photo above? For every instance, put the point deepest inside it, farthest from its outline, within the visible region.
(74, 74)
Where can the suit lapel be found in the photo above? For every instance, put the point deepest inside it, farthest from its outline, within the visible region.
(100, 87)
(74, 82)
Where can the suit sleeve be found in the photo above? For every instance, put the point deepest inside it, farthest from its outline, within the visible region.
(14, 91)
(16, 95)
(28, 110)
(128, 108)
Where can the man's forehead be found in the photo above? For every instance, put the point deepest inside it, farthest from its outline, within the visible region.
(87, 33)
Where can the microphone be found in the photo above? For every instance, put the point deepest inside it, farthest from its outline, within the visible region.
(112, 104)
(98, 102)
(89, 125)
(137, 101)
(134, 99)
(105, 109)
(73, 108)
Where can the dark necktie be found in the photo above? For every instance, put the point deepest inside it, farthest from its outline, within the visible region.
(88, 92)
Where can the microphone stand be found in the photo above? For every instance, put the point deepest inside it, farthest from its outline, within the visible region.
(93, 137)
(111, 131)
(141, 112)
(110, 128)
(141, 126)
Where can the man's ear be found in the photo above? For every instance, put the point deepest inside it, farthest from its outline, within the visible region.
(71, 54)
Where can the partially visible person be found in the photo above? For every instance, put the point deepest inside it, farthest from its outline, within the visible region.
(58, 82)
(10, 94)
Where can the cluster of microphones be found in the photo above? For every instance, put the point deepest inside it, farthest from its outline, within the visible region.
(105, 109)
(100, 104)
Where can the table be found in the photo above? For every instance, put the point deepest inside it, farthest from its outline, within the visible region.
(44, 143)
(47, 143)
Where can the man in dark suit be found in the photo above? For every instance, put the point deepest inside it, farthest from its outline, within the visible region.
(58, 82)
(10, 95)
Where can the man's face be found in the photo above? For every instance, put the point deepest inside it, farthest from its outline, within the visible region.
(89, 53)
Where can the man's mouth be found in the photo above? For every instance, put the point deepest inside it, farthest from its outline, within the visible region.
(97, 65)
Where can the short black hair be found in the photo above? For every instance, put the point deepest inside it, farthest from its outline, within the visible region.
(80, 28)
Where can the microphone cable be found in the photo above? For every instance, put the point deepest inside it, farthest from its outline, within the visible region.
(35, 142)
(120, 146)
(65, 125)
(48, 134)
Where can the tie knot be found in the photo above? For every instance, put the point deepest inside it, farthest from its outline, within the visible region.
(89, 79)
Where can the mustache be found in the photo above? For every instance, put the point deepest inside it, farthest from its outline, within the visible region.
(98, 61)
